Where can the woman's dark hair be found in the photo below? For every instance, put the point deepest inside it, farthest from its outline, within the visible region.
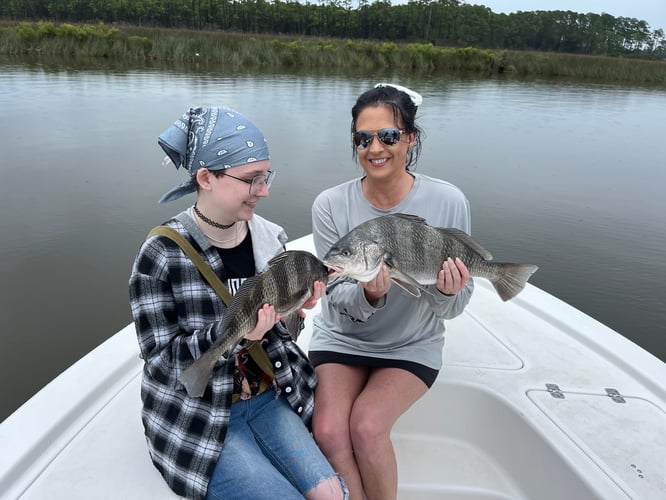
(404, 112)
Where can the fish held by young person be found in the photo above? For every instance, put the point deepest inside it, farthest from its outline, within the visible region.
(414, 252)
(286, 284)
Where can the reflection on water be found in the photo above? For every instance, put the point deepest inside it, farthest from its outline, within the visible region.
(568, 176)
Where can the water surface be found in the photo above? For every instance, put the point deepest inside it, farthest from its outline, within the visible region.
(569, 176)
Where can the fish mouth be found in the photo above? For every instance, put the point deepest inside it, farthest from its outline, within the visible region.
(333, 271)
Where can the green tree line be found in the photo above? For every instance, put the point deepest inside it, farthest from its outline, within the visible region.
(450, 23)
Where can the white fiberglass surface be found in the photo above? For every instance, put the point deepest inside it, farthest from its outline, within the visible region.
(463, 441)
(625, 436)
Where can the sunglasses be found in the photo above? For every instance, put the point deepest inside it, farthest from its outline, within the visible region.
(388, 136)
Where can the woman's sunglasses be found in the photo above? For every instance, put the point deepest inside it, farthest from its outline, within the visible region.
(388, 136)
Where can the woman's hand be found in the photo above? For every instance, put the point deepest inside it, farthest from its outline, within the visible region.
(318, 291)
(377, 287)
(452, 277)
(266, 318)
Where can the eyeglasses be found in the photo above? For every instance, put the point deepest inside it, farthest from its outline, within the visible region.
(388, 136)
(258, 182)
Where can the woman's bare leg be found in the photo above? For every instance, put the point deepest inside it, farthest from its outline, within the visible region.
(388, 393)
(338, 387)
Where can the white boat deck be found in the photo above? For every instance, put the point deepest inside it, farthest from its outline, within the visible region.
(488, 429)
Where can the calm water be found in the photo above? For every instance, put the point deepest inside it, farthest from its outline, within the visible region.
(567, 176)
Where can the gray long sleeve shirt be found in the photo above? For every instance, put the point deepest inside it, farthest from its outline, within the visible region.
(403, 327)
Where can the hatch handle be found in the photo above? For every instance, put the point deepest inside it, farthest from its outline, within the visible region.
(615, 395)
(555, 391)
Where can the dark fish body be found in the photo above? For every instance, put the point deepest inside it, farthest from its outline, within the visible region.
(414, 252)
(286, 284)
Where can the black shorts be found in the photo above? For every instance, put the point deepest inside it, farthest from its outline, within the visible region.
(425, 373)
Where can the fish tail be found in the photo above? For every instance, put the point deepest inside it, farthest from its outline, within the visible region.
(195, 377)
(512, 279)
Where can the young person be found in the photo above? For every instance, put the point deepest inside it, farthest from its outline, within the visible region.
(376, 349)
(247, 436)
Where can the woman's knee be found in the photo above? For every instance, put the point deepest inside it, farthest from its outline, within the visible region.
(329, 435)
(366, 431)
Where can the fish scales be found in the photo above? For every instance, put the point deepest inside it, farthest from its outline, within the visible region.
(286, 284)
(419, 249)
(414, 252)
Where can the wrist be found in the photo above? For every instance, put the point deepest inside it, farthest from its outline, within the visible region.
(374, 300)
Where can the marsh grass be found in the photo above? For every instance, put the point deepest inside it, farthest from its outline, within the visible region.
(242, 51)
(46, 38)
(589, 67)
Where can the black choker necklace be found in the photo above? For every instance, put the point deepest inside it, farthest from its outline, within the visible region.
(210, 221)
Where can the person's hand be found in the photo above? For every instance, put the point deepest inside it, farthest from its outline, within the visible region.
(377, 287)
(318, 291)
(452, 277)
(266, 318)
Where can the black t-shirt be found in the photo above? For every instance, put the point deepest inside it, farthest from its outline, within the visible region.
(238, 263)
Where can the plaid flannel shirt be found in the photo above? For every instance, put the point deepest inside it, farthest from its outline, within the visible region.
(177, 315)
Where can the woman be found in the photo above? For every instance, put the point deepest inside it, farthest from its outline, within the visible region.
(246, 437)
(377, 349)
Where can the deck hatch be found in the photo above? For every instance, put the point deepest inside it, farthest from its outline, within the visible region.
(633, 457)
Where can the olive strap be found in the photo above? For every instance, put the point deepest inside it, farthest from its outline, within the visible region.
(198, 261)
(258, 354)
(261, 358)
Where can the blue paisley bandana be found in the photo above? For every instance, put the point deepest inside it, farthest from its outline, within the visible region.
(212, 138)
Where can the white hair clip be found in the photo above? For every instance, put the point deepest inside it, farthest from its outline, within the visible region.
(414, 96)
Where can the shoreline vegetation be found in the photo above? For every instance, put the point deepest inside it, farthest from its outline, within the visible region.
(266, 51)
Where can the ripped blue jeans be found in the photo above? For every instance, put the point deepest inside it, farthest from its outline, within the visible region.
(268, 453)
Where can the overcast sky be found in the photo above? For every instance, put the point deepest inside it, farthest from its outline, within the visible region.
(652, 11)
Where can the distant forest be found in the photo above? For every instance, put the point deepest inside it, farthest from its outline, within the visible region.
(447, 23)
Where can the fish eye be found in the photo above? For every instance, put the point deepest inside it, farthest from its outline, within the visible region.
(346, 253)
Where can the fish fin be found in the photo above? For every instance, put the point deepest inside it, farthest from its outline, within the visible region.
(278, 258)
(407, 287)
(512, 279)
(294, 323)
(291, 318)
(466, 240)
(410, 218)
(195, 377)
(286, 254)
(404, 281)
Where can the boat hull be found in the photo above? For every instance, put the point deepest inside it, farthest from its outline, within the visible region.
(520, 410)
